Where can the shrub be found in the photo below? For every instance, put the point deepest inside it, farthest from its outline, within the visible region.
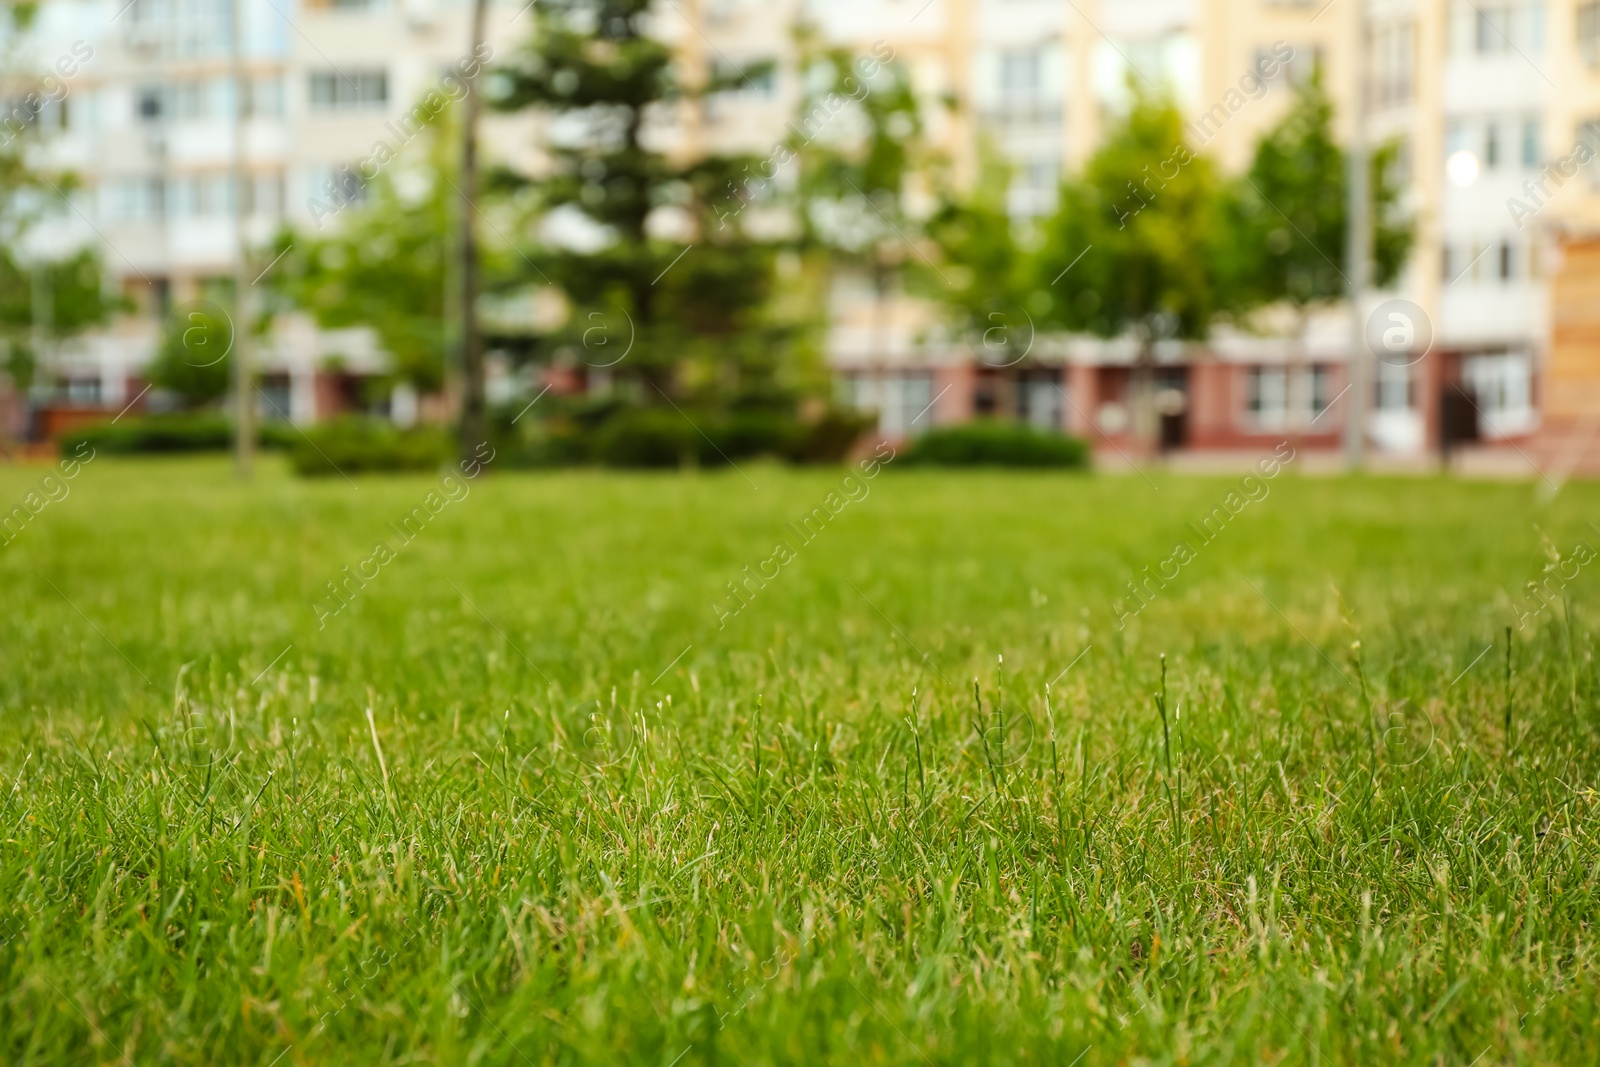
(191, 362)
(648, 438)
(169, 433)
(830, 438)
(347, 446)
(664, 437)
(989, 443)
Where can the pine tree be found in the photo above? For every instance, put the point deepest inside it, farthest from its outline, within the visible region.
(859, 140)
(696, 306)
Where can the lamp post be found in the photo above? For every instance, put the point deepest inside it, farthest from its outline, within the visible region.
(243, 370)
(472, 384)
(1359, 248)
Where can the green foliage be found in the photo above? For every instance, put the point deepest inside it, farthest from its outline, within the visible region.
(57, 299)
(1143, 217)
(133, 434)
(990, 443)
(192, 361)
(1287, 218)
(656, 437)
(766, 850)
(859, 142)
(701, 319)
(615, 434)
(987, 275)
(356, 445)
(385, 262)
(68, 293)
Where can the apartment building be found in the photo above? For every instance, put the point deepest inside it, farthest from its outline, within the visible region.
(146, 126)
(1483, 97)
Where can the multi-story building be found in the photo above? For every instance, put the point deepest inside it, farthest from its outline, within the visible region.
(146, 127)
(1485, 98)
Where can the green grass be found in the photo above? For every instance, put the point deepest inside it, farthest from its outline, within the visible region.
(774, 852)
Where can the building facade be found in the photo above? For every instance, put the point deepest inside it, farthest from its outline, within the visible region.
(146, 127)
(1489, 102)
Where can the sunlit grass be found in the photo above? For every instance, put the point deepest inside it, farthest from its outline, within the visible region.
(584, 824)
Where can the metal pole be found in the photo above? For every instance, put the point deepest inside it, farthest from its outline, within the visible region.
(243, 368)
(1359, 248)
(472, 384)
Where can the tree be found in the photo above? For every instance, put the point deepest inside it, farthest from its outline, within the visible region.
(656, 249)
(191, 361)
(386, 265)
(986, 280)
(1287, 217)
(859, 141)
(40, 300)
(51, 300)
(1131, 248)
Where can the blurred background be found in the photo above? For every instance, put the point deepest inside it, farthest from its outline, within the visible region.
(689, 231)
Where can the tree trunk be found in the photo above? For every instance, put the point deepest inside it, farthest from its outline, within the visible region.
(472, 377)
(1142, 395)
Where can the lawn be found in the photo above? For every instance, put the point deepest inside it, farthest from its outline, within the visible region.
(528, 785)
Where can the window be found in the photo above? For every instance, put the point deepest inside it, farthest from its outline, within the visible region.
(1021, 74)
(1508, 141)
(1022, 87)
(1492, 31)
(149, 104)
(1497, 29)
(134, 199)
(1478, 262)
(79, 391)
(1589, 32)
(1171, 59)
(1033, 187)
(349, 90)
(342, 184)
(1039, 400)
(757, 78)
(1266, 396)
(205, 196)
(1589, 134)
(264, 97)
(1500, 383)
(200, 99)
(1400, 166)
(904, 402)
(1393, 390)
(1392, 52)
(1273, 392)
(1306, 60)
(264, 195)
(1320, 398)
(273, 404)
